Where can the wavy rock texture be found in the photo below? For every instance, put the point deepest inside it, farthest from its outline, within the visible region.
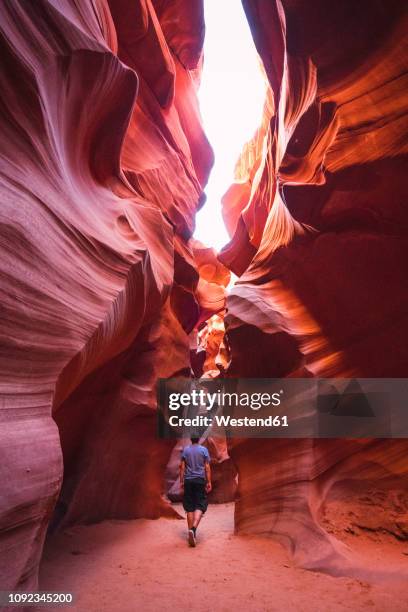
(103, 162)
(319, 239)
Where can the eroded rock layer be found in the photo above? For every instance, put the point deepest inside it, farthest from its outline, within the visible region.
(319, 233)
(103, 163)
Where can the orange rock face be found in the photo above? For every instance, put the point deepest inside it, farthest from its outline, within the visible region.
(319, 239)
(103, 163)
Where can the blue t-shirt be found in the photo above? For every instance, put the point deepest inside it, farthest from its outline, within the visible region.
(195, 457)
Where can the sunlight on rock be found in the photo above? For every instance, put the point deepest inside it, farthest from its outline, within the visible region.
(232, 96)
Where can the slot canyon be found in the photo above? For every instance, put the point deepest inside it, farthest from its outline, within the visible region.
(105, 289)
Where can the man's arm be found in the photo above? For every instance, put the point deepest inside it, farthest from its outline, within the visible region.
(181, 472)
(208, 485)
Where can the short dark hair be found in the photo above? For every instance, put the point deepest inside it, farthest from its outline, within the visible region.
(194, 439)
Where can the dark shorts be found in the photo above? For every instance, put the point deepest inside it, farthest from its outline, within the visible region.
(195, 496)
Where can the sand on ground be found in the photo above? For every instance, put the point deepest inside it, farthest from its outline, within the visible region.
(147, 565)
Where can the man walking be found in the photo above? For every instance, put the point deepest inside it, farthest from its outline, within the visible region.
(195, 480)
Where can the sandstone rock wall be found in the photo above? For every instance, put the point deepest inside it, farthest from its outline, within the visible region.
(318, 227)
(103, 163)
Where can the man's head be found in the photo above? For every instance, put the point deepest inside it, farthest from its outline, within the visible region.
(194, 440)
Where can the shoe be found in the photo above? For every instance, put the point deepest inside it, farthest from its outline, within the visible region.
(191, 538)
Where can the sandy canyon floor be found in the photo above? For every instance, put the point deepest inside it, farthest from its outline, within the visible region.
(147, 565)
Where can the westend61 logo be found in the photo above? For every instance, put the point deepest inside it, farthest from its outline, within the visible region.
(288, 407)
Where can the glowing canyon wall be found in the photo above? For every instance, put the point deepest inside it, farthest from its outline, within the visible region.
(103, 163)
(318, 223)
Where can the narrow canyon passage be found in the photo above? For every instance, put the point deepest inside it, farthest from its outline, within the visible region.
(175, 205)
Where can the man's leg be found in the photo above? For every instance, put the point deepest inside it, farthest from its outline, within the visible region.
(189, 508)
(191, 530)
(190, 519)
(192, 526)
(197, 518)
(201, 502)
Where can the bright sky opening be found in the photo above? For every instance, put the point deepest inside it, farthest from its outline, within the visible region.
(231, 95)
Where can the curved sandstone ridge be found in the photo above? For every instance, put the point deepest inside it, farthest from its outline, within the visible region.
(103, 163)
(319, 232)
(287, 486)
